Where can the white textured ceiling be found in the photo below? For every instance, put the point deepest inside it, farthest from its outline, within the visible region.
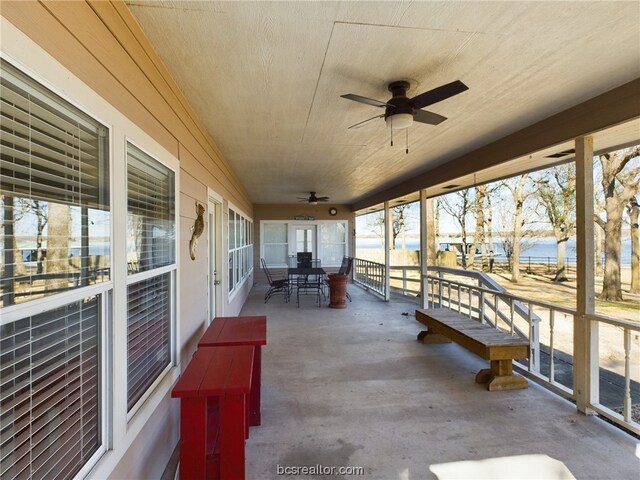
(265, 78)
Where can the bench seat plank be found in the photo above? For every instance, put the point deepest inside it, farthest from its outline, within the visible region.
(485, 341)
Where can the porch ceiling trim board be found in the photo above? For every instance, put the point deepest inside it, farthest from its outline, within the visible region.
(614, 107)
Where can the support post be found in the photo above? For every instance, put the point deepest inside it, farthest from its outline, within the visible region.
(585, 332)
(424, 247)
(388, 225)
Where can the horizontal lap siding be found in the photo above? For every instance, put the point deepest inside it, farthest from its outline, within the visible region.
(102, 44)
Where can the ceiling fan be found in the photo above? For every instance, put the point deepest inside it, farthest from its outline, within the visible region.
(313, 200)
(401, 111)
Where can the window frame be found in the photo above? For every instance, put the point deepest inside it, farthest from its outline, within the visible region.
(239, 258)
(103, 290)
(155, 272)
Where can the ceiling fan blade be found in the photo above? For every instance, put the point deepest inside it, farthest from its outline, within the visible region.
(431, 118)
(368, 101)
(323, 199)
(359, 124)
(438, 94)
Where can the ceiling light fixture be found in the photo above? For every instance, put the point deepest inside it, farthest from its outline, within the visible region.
(399, 120)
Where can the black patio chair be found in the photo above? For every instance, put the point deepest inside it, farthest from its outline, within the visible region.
(345, 269)
(279, 285)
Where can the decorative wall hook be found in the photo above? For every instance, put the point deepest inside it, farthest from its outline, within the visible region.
(196, 230)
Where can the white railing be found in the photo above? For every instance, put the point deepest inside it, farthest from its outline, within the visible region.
(549, 329)
(405, 278)
(370, 275)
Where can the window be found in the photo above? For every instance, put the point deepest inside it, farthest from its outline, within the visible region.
(151, 271)
(240, 249)
(275, 244)
(333, 242)
(55, 237)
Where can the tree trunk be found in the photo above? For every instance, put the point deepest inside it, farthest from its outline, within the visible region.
(57, 261)
(561, 252)
(431, 233)
(598, 248)
(611, 285)
(634, 213)
(479, 236)
(517, 235)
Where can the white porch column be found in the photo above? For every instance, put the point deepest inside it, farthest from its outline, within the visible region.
(585, 333)
(388, 225)
(424, 226)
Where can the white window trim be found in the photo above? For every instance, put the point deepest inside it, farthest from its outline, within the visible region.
(165, 159)
(231, 294)
(317, 223)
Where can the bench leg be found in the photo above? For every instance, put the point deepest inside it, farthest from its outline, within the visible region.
(501, 377)
(232, 436)
(254, 396)
(431, 336)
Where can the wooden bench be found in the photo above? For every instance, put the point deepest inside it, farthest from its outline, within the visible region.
(235, 331)
(214, 412)
(499, 347)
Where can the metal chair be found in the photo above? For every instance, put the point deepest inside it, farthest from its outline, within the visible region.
(280, 285)
(308, 284)
(345, 269)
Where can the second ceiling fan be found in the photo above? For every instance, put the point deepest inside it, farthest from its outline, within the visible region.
(401, 111)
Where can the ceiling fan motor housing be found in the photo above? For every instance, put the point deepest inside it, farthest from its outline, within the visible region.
(399, 100)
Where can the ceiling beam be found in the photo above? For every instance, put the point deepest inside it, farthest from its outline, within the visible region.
(614, 107)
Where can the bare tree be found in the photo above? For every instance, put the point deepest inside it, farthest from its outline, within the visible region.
(59, 231)
(520, 192)
(432, 239)
(633, 210)
(620, 183)
(401, 216)
(459, 205)
(479, 237)
(40, 210)
(556, 192)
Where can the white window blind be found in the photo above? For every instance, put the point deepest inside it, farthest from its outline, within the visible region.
(151, 212)
(50, 150)
(54, 192)
(148, 334)
(49, 391)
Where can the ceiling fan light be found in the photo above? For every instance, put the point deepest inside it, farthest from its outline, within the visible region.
(399, 120)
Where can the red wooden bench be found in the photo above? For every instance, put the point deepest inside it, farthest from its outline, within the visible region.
(248, 330)
(214, 410)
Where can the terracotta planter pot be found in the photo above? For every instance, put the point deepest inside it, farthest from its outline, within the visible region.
(338, 290)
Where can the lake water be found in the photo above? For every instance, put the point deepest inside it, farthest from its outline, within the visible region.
(542, 248)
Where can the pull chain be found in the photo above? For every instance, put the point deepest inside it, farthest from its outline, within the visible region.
(392, 131)
(407, 140)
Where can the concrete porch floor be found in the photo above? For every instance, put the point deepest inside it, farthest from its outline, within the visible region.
(353, 387)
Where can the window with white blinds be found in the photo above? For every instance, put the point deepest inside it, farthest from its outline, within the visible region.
(50, 391)
(148, 334)
(151, 212)
(150, 249)
(54, 237)
(54, 192)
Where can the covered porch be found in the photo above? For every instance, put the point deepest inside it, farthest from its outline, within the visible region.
(354, 388)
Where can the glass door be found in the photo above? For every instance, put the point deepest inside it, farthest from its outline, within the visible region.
(304, 240)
